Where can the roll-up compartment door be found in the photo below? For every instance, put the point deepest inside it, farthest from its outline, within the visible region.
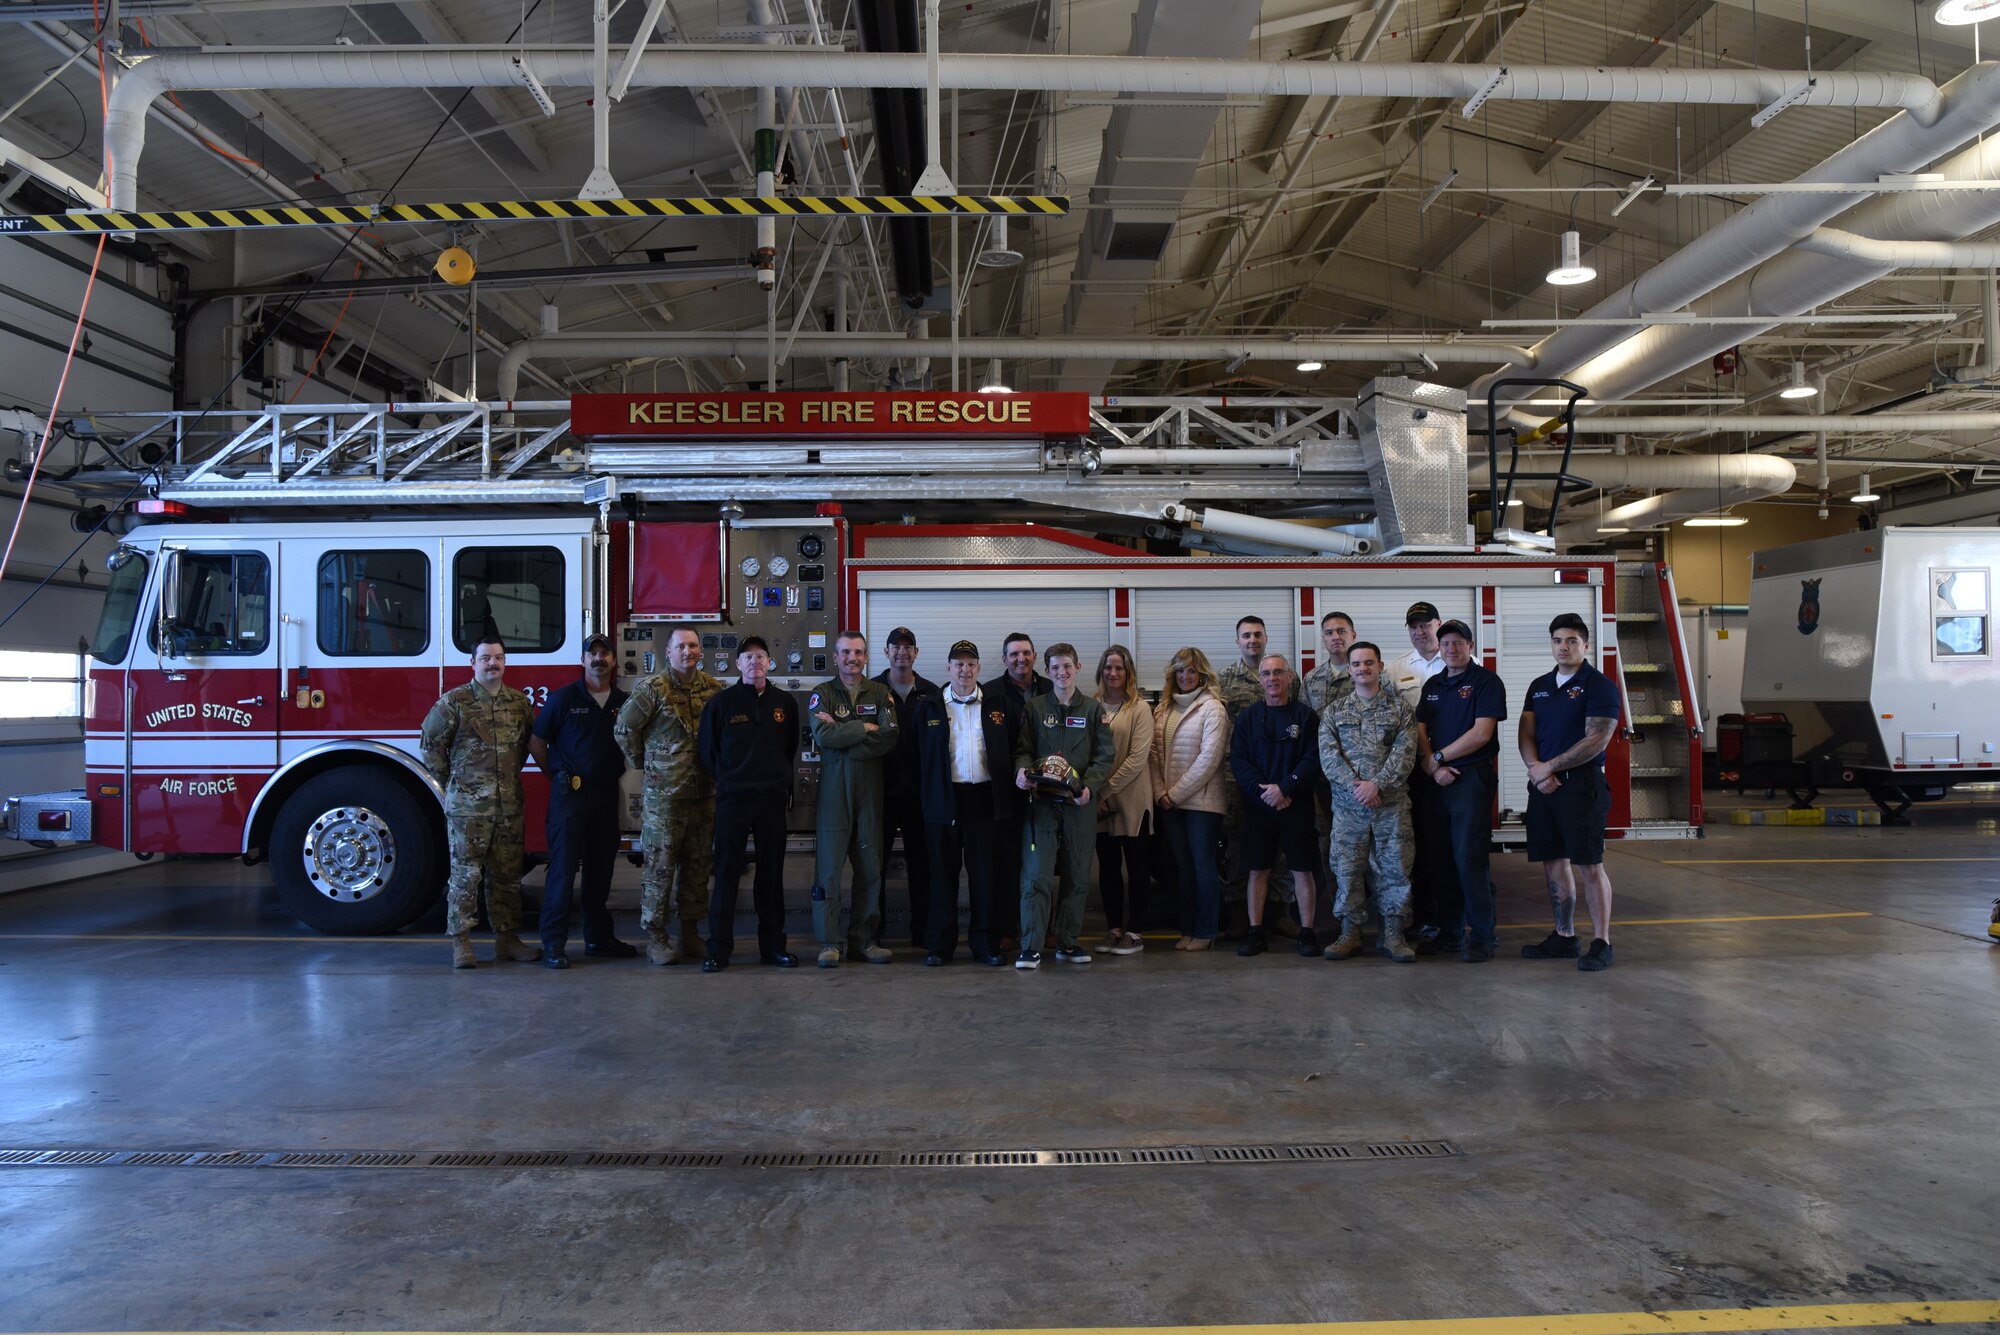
(939, 617)
(1378, 613)
(1524, 655)
(1164, 621)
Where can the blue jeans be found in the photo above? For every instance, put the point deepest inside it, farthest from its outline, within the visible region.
(1193, 838)
(1465, 898)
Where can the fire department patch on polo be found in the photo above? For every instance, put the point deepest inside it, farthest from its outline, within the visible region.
(1292, 733)
(997, 717)
(778, 715)
(1465, 692)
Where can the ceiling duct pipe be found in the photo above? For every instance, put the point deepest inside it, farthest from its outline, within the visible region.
(154, 75)
(891, 25)
(1227, 524)
(1802, 279)
(1901, 254)
(1968, 105)
(1009, 348)
(1739, 478)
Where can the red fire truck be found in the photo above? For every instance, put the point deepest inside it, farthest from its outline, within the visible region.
(256, 687)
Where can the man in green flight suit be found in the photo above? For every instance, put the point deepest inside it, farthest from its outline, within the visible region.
(475, 741)
(853, 729)
(1065, 723)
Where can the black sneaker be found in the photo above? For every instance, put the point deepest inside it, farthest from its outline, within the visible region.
(1254, 943)
(1597, 957)
(1476, 952)
(1308, 941)
(1554, 946)
(1074, 954)
(1427, 941)
(1028, 959)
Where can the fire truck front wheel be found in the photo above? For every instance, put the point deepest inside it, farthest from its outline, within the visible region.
(355, 852)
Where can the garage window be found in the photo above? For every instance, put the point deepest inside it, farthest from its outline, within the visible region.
(513, 592)
(374, 603)
(40, 683)
(1960, 613)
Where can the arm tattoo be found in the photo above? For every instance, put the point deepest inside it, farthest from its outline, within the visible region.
(1596, 734)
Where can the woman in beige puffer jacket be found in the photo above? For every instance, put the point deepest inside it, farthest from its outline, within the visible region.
(1190, 782)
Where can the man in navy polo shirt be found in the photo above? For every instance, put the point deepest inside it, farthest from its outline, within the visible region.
(573, 744)
(1458, 720)
(1569, 717)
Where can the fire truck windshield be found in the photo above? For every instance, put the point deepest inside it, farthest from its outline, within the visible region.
(121, 608)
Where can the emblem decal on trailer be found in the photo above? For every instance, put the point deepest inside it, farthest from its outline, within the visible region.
(1808, 606)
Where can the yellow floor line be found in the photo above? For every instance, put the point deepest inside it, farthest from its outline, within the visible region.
(1739, 862)
(1844, 1316)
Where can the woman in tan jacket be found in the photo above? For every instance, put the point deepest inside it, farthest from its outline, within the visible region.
(1124, 811)
(1191, 784)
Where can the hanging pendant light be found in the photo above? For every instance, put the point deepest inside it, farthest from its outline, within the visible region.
(1965, 13)
(1570, 268)
(1800, 387)
(1866, 493)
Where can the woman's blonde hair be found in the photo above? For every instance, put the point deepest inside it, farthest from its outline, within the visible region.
(1204, 674)
(1131, 670)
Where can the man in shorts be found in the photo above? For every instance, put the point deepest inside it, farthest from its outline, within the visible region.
(1274, 758)
(1568, 717)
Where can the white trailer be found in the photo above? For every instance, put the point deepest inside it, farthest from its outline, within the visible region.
(1879, 647)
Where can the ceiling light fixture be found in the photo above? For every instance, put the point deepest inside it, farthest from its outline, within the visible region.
(997, 254)
(1237, 363)
(1515, 500)
(1311, 366)
(1437, 190)
(1570, 268)
(1800, 387)
(1867, 493)
(1965, 13)
(1638, 188)
(1715, 521)
(994, 384)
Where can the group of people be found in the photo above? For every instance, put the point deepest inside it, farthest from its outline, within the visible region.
(1380, 771)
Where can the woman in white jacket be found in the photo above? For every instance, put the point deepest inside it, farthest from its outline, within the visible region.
(1191, 784)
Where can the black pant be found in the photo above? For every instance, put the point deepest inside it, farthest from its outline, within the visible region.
(737, 818)
(1433, 878)
(1007, 875)
(1466, 900)
(969, 844)
(903, 815)
(583, 832)
(1124, 866)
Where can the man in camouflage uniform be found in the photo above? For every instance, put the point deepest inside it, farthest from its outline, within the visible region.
(1367, 745)
(853, 720)
(475, 741)
(657, 730)
(1325, 686)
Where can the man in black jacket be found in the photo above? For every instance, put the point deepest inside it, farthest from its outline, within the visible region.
(902, 804)
(965, 747)
(749, 742)
(1016, 686)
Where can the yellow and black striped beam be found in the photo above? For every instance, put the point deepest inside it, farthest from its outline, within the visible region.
(533, 210)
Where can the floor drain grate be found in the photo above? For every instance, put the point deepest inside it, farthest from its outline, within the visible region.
(1156, 1156)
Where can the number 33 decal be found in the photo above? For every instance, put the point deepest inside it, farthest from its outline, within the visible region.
(537, 695)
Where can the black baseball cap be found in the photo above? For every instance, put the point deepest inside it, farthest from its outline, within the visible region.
(902, 635)
(600, 641)
(1420, 611)
(963, 649)
(749, 642)
(1458, 628)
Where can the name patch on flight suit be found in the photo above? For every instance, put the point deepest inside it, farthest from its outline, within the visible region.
(864, 711)
(1075, 721)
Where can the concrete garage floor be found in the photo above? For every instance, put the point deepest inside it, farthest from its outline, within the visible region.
(1785, 1092)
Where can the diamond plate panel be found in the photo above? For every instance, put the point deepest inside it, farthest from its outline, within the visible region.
(1413, 441)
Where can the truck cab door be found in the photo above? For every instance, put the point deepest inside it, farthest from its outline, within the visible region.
(204, 698)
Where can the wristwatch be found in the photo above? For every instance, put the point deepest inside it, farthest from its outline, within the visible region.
(1437, 757)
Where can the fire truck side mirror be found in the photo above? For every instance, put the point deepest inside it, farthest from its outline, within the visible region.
(170, 602)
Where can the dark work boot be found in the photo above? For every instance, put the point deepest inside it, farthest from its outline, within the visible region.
(1254, 942)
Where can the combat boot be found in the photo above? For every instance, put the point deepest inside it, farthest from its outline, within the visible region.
(1393, 944)
(508, 946)
(461, 952)
(1348, 944)
(661, 950)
